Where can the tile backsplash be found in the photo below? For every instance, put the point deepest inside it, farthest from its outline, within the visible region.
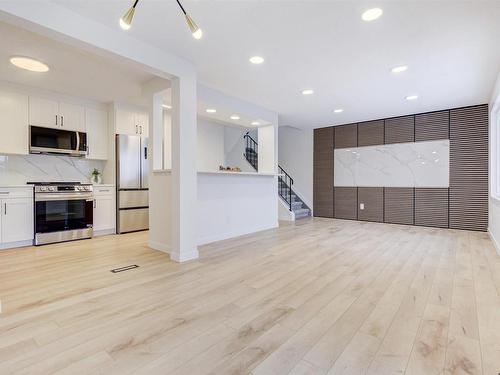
(18, 169)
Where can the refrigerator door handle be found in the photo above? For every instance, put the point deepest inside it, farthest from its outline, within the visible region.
(146, 153)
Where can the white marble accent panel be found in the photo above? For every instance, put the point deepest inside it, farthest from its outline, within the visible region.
(415, 164)
(17, 170)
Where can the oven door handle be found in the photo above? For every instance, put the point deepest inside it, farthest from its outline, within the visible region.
(62, 197)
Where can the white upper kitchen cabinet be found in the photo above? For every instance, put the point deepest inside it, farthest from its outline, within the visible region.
(44, 112)
(96, 124)
(131, 122)
(125, 122)
(142, 120)
(56, 114)
(13, 123)
(17, 220)
(72, 116)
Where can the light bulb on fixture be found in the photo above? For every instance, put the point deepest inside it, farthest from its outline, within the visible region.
(195, 30)
(235, 117)
(126, 20)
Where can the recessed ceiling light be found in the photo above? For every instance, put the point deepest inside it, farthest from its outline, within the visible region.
(29, 64)
(399, 69)
(338, 110)
(307, 92)
(166, 106)
(256, 60)
(255, 123)
(371, 14)
(235, 117)
(211, 110)
(412, 97)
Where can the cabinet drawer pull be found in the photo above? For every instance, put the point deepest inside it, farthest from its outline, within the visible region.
(56, 120)
(101, 190)
(62, 120)
(5, 208)
(4, 192)
(95, 203)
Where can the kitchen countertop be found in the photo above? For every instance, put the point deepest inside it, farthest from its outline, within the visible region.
(240, 173)
(25, 186)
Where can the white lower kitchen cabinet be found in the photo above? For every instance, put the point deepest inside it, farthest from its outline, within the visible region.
(16, 218)
(104, 210)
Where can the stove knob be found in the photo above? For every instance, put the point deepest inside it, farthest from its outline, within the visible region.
(52, 188)
(78, 188)
(43, 188)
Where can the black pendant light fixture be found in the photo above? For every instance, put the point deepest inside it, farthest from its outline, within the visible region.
(126, 20)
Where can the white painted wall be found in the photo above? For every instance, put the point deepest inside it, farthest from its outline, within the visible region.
(231, 205)
(296, 157)
(210, 145)
(494, 167)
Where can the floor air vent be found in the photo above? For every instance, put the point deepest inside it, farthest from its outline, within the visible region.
(126, 268)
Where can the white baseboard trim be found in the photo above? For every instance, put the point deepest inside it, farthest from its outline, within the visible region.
(226, 235)
(159, 246)
(184, 257)
(495, 242)
(12, 245)
(104, 232)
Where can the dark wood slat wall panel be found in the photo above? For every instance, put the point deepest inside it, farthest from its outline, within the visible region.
(432, 126)
(398, 205)
(400, 129)
(373, 199)
(323, 172)
(463, 206)
(431, 207)
(346, 203)
(371, 133)
(469, 168)
(346, 136)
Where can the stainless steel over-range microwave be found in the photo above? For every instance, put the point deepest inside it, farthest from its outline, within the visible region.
(57, 141)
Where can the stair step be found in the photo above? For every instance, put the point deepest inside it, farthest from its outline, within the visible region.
(300, 213)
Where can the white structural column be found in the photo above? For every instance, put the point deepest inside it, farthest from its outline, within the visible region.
(184, 176)
(268, 148)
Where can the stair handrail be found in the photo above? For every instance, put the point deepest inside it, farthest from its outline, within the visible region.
(251, 144)
(286, 179)
(283, 178)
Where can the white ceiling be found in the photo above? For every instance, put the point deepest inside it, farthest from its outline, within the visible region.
(72, 71)
(451, 48)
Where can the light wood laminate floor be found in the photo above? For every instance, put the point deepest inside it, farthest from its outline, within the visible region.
(319, 297)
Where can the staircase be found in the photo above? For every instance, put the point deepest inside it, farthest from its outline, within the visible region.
(285, 181)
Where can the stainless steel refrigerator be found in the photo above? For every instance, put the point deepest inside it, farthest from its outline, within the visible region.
(132, 168)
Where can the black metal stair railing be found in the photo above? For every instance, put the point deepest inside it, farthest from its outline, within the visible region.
(285, 183)
(251, 151)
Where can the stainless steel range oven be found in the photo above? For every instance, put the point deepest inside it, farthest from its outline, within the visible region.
(63, 212)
